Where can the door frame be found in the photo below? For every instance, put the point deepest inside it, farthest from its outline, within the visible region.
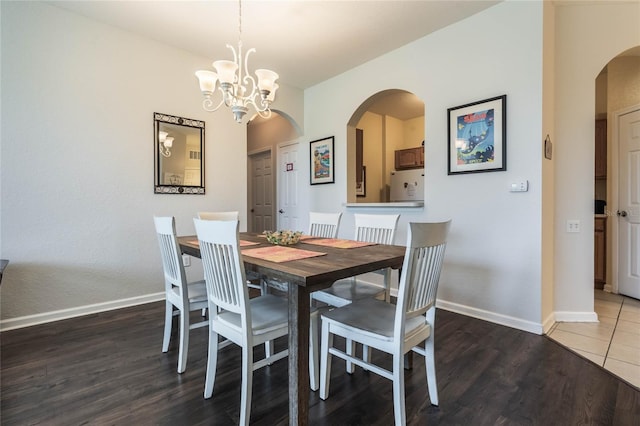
(274, 187)
(613, 153)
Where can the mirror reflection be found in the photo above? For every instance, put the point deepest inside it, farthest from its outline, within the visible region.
(179, 153)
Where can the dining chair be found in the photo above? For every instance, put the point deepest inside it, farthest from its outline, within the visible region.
(234, 215)
(181, 297)
(397, 329)
(324, 225)
(372, 228)
(231, 215)
(243, 321)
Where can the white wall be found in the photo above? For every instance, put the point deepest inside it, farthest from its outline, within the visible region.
(588, 36)
(493, 261)
(77, 160)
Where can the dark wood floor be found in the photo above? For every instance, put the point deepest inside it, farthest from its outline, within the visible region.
(108, 368)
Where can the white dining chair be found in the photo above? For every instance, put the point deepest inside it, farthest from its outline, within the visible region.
(234, 215)
(397, 329)
(324, 225)
(372, 228)
(243, 321)
(230, 215)
(180, 297)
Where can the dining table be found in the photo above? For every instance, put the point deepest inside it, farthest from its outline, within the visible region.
(325, 261)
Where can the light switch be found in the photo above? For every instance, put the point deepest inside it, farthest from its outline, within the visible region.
(522, 186)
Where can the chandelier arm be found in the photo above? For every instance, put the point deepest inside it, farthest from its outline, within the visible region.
(207, 104)
(165, 152)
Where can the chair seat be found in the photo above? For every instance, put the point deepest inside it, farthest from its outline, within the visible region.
(374, 318)
(197, 291)
(268, 313)
(345, 291)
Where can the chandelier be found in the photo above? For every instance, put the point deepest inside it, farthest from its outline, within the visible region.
(238, 88)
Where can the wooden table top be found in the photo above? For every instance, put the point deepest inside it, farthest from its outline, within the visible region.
(315, 272)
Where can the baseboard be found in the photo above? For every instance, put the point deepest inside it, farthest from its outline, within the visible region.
(564, 316)
(493, 317)
(29, 320)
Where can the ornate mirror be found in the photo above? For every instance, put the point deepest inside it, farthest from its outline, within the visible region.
(179, 153)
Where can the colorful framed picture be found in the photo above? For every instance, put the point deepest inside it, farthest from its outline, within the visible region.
(322, 157)
(478, 136)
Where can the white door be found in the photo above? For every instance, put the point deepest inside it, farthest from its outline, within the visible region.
(288, 186)
(261, 206)
(629, 205)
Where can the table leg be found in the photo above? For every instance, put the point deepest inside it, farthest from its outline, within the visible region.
(298, 355)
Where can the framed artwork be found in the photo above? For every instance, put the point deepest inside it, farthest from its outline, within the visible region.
(478, 136)
(361, 187)
(322, 161)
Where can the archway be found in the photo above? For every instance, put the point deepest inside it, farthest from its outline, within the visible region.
(387, 121)
(263, 137)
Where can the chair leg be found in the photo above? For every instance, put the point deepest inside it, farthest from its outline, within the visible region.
(398, 389)
(247, 383)
(314, 373)
(430, 366)
(267, 349)
(387, 285)
(351, 350)
(366, 353)
(168, 322)
(325, 361)
(212, 363)
(184, 340)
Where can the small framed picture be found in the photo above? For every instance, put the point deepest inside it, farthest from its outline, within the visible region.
(478, 136)
(322, 157)
(361, 187)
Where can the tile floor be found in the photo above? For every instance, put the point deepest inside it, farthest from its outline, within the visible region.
(614, 342)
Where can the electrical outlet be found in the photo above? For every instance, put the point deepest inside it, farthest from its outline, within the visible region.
(573, 226)
(186, 260)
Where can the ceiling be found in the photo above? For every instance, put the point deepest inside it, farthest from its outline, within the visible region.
(306, 42)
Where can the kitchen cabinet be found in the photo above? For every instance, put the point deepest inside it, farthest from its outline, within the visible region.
(601, 149)
(410, 158)
(600, 252)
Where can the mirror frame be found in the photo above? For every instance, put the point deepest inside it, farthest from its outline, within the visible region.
(159, 188)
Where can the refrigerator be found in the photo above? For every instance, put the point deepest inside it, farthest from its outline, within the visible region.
(407, 185)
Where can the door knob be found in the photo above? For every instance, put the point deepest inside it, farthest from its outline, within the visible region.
(252, 210)
(621, 213)
(280, 211)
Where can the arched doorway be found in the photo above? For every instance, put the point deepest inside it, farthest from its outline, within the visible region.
(617, 90)
(386, 122)
(263, 138)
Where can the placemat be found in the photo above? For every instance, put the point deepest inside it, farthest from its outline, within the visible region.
(280, 254)
(243, 243)
(338, 243)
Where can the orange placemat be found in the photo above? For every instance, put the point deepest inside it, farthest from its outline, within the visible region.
(243, 243)
(338, 243)
(280, 254)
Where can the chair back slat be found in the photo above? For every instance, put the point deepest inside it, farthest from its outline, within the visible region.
(171, 258)
(421, 270)
(324, 225)
(222, 263)
(376, 228)
(233, 215)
